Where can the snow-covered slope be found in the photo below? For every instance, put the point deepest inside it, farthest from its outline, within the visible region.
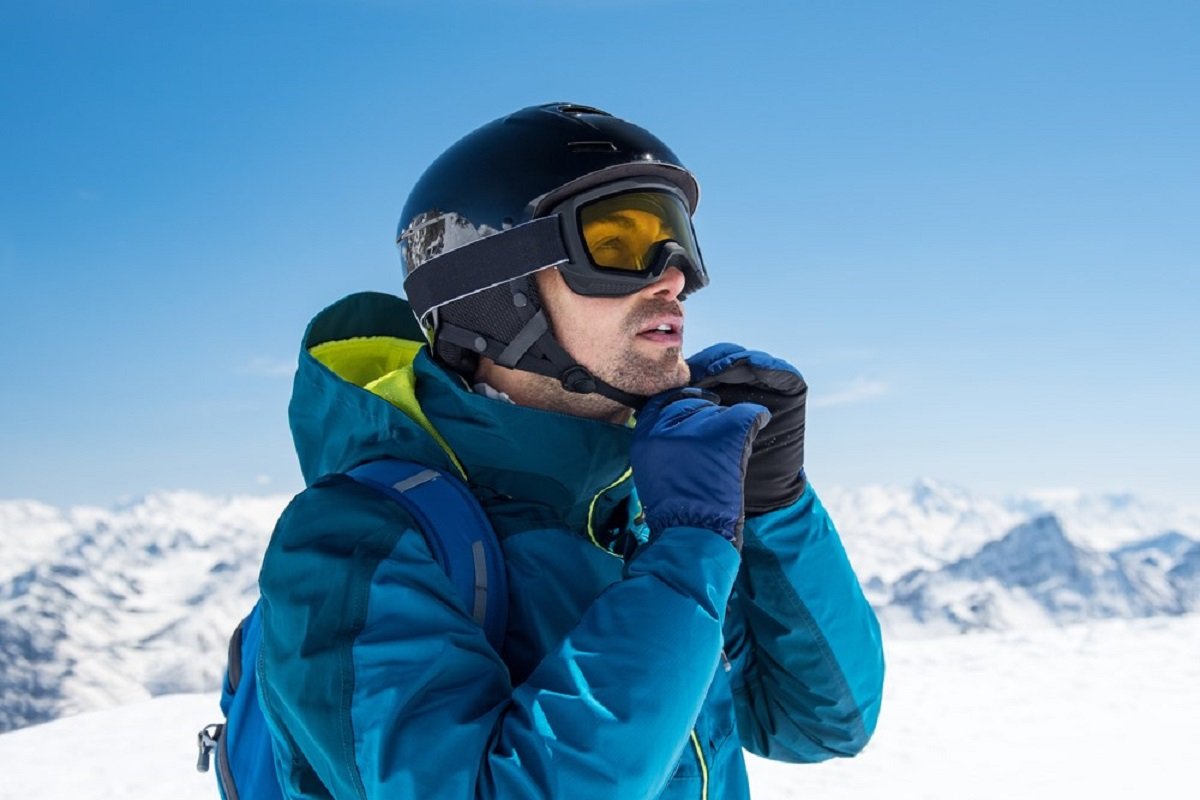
(100, 607)
(889, 530)
(1034, 574)
(1102, 710)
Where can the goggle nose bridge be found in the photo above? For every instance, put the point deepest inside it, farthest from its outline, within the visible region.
(670, 253)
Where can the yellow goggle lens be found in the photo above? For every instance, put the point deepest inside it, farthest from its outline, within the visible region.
(621, 232)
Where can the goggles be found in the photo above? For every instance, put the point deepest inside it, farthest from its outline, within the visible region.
(624, 235)
(609, 241)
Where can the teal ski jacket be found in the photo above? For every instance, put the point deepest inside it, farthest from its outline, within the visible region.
(639, 677)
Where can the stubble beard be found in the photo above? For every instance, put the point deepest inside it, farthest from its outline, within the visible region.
(638, 373)
(631, 372)
(635, 371)
(630, 369)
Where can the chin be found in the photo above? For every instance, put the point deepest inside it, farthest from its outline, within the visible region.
(662, 379)
(649, 376)
(682, 377)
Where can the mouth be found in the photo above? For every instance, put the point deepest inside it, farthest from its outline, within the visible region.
(665, 330)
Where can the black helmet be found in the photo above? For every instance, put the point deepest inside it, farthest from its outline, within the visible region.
(499, 205)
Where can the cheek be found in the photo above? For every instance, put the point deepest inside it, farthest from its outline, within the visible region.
(594, 328)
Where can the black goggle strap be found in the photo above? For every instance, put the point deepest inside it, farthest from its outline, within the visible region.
(555, 362)
(488, 262)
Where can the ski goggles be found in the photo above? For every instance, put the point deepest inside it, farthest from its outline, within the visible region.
(609, 241)
(624, 235)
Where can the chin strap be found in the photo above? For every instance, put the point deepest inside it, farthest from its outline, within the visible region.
(551, 359)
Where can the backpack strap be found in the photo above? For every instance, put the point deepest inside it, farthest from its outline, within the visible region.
(458, 531)
(464, 544)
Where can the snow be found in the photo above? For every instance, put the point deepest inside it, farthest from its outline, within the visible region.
(1098, 710)
(889, 530)
(1079, 678)
(105, 607)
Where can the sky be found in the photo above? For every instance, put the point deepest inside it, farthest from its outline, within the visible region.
(973, 226)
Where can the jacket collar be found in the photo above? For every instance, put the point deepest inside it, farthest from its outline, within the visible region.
(377, 402)
(552, 459)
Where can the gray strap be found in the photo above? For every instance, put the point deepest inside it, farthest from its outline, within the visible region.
(521, 343)
(481, 582)
(413, 481)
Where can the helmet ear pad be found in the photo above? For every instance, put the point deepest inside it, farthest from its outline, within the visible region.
(497, 313)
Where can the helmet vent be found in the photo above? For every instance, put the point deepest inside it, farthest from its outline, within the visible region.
(575, 108)
(592, 147)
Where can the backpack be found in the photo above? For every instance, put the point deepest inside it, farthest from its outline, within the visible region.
(463, 543)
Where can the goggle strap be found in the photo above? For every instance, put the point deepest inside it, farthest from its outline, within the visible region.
(490, 261)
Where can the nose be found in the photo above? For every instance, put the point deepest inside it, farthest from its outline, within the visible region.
(668, 286)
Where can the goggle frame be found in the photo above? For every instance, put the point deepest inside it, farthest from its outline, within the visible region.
(585, 277)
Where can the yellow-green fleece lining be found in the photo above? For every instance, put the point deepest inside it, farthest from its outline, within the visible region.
(383, 365)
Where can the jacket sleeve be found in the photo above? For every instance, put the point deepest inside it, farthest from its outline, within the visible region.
(803, 641)
(376, 683)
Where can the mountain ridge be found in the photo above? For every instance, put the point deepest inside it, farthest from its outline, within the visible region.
(105, 606)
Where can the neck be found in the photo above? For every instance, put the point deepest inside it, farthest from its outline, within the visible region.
(539, 391)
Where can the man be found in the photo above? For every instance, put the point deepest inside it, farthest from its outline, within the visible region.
(675, 590)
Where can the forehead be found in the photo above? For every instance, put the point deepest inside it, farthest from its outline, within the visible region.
(630, 219)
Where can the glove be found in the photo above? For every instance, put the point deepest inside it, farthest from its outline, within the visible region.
(775, 473)
(689, 461)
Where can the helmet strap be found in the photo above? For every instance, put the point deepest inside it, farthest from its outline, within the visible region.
(553, 361)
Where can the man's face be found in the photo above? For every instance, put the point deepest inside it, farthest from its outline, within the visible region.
(634, 342)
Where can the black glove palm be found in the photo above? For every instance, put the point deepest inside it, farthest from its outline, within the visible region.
(775, 472)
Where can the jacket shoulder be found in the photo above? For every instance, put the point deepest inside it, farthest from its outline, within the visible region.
(336, 521)
(348, 503)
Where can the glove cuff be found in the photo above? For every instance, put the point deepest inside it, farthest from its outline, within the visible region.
(684, 515)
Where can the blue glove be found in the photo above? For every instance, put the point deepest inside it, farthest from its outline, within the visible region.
(775, 473)
(689, 461)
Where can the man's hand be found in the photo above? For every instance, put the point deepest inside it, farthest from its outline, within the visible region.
(775, 474)
(689, 460)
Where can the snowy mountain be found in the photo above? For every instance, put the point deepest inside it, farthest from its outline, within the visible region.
(1092, 711)
(890, 530)
(1034, 574)
(101, 607)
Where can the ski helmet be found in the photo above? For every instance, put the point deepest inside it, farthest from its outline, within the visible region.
(512, 198)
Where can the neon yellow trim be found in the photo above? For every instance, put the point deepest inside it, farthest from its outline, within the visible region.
(703, 766)
(383, 366)
(592, 509)
(364, 359)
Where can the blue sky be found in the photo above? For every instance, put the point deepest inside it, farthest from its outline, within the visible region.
(974, 226)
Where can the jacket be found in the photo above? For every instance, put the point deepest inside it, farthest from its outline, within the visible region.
(621, 677)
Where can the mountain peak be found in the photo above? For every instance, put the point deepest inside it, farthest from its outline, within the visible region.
(1029, 554)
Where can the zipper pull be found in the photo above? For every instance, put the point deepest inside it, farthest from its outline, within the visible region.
(725, 661)
(207, 740)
